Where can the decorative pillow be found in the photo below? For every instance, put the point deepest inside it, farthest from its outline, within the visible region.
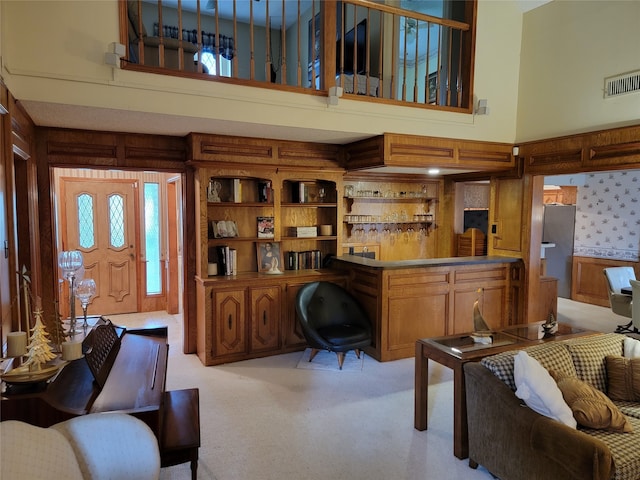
(623, 378)
(631, 347)
(591, 408)
(588, 355)
(551, 355)
(539, 390)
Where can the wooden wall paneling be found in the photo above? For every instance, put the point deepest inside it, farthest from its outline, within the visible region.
(564, 155)
(78, 149)
(8, 279)
(420, 151)
(365, 153)
(610, 149)
(26, 199)
(588, 283)
(280, 153)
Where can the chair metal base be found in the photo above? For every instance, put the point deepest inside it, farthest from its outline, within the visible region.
(314, 352)
(627, 328)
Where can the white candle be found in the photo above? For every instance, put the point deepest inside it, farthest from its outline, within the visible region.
(71, 350)
(16, 344)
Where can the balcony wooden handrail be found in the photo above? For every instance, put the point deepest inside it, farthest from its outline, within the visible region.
(381, 52)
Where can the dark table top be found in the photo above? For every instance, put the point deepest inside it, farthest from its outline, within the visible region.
(626, 290)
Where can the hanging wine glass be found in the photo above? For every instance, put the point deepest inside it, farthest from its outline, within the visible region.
(84, 291)
(70, 261)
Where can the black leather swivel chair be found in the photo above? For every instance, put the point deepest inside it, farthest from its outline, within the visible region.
(332, 319)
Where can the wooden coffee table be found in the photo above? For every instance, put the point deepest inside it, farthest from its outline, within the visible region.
(454, 351)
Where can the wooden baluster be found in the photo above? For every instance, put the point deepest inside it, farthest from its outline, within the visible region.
(404, 63)
(460, 71)
(181, 63)
(161, 36)
(235, 40)
(367, 53)
(267, 63)
(299, 66)
(216, 48)
(283, 48)
(426, 70)
(381, 57)
(449, 67)
(438, 72)
(415, 64)
(252, 65)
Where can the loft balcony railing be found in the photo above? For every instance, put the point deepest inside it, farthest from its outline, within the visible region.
(372, 51)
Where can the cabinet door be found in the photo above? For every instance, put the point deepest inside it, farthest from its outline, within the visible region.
(265, 318)
(229, 325)
(293, 336)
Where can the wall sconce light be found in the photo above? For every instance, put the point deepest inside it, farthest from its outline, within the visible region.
(516, 150)
(115, 53)
(334, 94)
(483, 108)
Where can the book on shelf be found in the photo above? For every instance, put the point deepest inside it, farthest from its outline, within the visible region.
(227, 260)
(307, 259)
(236, 190)
(303, 232)
(265, 192)
(265, 227)
(300, 193)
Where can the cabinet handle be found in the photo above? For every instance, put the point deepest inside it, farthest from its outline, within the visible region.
(264, 317)
(230, 321)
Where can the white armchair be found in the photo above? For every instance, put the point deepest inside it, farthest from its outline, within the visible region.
(89, 447)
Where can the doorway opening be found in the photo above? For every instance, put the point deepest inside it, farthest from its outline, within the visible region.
(128, 226)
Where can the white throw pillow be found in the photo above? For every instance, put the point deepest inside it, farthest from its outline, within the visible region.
(539, 390)
(631, 347)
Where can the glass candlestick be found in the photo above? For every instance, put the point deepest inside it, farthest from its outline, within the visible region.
(84, 291)
(70, 261)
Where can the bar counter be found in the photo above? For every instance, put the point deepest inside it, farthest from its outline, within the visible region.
(408, 300)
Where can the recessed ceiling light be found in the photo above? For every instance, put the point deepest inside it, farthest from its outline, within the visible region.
(433, 171)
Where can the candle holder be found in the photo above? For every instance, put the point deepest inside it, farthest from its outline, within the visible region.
(85, 289)
(70, 261)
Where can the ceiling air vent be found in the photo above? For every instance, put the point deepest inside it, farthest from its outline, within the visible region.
(621, 84)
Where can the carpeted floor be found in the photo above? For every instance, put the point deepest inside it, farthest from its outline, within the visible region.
(267, 418)
(329, 361)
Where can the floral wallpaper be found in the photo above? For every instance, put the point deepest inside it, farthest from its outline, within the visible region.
(608, 216)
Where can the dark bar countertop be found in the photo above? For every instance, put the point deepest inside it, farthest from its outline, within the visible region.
(423, 262)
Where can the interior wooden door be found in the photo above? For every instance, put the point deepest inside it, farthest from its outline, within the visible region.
(98, 217)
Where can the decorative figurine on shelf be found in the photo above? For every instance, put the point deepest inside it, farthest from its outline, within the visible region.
(38, 351)
(550, 326)
(213, 191)
(481, 331)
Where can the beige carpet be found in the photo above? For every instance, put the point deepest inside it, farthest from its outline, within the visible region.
(267, 419)
(325, 360)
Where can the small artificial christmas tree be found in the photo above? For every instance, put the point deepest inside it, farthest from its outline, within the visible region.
(39, 351)
(56, 329)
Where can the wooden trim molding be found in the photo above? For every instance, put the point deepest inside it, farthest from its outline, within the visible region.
(612, 149)
(588, 284)
(419, 151)
(238, 150)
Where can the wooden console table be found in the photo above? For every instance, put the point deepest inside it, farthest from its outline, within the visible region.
(454, 351)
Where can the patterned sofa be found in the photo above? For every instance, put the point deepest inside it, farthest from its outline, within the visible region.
(513, 442)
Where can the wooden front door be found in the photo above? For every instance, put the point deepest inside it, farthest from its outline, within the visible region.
(98, 217)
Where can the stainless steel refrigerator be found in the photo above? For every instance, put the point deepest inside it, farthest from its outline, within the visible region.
(559, 224)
